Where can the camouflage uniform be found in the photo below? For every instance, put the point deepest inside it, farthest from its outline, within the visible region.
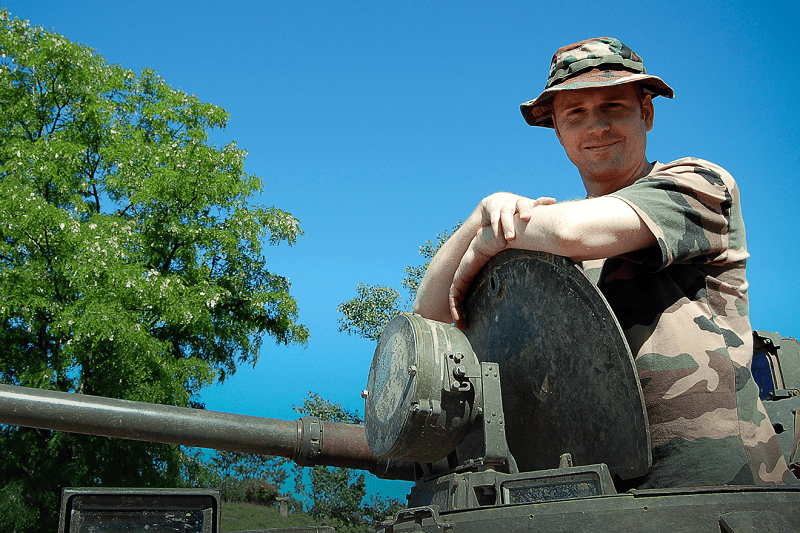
(684, 310)
(682, 305)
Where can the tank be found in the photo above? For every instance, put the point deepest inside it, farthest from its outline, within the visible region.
(522, 422)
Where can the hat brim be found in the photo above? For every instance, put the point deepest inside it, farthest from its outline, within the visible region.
(539, 112)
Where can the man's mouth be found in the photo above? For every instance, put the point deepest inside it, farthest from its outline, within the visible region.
(600, 146)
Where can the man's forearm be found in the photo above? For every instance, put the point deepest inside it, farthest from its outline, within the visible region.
(586, 229)
(433, 291)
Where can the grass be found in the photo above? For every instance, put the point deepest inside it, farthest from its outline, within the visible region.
(247, 516)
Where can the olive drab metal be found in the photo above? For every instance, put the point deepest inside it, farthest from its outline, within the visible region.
(522, 422)
(568, 377)
(561, 392)
(307, 441)
(418, 400)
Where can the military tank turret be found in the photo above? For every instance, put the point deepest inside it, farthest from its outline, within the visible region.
(522, 422)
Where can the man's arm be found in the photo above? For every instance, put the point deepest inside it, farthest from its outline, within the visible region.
(433, 292)
(595, 228)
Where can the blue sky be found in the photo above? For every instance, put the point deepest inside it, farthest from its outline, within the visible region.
(379, 124)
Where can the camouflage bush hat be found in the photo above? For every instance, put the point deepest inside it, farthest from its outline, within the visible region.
(591, 63)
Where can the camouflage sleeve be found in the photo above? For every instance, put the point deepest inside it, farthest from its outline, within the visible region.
(692, 207)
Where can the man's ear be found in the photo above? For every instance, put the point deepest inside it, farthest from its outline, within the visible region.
(648, 112)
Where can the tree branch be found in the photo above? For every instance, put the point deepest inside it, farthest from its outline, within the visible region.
(171, 256)
(94, 191)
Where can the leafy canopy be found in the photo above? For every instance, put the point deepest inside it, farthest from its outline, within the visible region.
(128, 245)
(240, 477)
(375, 305)
(336, 495)
(131, 260)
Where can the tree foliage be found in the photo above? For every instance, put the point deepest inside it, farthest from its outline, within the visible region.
(367, 314)
(131, 261)
(240, 477)
(337, 494)
(375, 305)
(316, 405)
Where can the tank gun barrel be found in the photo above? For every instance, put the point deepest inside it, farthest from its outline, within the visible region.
(308, 441)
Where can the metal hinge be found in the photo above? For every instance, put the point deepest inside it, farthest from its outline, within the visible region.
(417, 514)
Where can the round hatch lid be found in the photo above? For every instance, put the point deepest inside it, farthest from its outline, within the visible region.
(568, 379)
(406, 414)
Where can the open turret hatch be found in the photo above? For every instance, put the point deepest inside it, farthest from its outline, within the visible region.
(568, 378)
(567, 381)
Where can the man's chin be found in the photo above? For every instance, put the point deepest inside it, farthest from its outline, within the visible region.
(602, 170)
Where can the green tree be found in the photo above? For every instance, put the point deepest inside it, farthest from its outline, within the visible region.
(375, 305)
(240, 477)
(337, 494)
(131, 261)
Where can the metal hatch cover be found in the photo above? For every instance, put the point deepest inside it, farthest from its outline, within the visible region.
(407, 415)
(568, 379)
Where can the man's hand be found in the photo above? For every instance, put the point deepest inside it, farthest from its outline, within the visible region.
(483, 247)
(498, 211)
(497, 227)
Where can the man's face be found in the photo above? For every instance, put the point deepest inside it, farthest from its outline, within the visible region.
(604, 132)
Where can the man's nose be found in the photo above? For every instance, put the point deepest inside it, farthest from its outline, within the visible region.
(598, 122)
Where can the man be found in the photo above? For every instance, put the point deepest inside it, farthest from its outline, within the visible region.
(665, 243)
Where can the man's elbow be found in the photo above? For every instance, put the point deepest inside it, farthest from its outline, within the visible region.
(432, 308)
(418, 307)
